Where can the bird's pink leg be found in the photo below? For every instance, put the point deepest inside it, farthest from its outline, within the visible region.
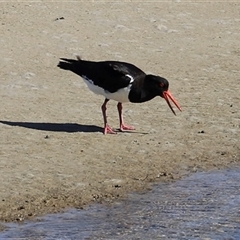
(122, 125)
(107, 128)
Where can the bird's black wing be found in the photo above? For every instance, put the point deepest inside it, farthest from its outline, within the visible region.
(118, 75)
(109, 75)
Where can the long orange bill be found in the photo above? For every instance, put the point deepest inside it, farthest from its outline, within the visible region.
(166, 95)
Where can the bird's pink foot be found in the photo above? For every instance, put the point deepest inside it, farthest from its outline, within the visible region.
(125, 127)
(107, 130)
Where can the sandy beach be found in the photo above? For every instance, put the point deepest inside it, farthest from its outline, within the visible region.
(53, 154)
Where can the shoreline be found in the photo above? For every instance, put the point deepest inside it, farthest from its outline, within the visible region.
(23, 209)
(22, 216)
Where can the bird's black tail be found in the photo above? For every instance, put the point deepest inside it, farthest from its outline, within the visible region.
(70, 64)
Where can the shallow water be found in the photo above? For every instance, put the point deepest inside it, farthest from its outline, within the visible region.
(202, 206)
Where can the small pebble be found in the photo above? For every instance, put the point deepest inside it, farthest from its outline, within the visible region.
(61, 18)
(20, 208)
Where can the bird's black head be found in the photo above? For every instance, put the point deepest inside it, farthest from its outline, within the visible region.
(159, 87)
(156, 84)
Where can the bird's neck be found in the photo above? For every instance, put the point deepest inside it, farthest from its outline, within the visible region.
(140, 93)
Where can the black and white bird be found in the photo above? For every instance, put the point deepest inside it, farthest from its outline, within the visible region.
(119, 81)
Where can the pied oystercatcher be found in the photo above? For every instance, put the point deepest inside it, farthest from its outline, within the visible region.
(120, 81)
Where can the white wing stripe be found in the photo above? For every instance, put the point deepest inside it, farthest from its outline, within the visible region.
(131, 78)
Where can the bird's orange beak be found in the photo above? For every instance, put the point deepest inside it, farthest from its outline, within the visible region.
(166, 96)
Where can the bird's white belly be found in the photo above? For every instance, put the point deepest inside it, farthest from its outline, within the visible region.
(120, 96)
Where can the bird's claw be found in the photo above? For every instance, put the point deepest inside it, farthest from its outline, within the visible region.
(108, 130)
(125, 127)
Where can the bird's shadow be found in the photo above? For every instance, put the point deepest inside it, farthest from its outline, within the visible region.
(55, 127)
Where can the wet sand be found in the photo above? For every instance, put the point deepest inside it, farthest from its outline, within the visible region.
(53, 154)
